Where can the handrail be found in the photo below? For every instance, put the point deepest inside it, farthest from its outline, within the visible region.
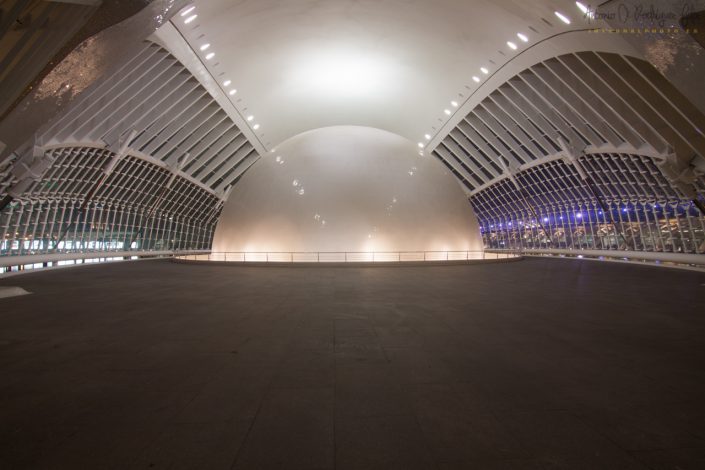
(343, 256)
(656, 257)
(17, 260)
(10, 265)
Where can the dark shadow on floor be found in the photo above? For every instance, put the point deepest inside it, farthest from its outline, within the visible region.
(538, 364)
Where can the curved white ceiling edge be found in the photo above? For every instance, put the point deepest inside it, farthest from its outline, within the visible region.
(562, 43)
(171, 39)
(393, 65)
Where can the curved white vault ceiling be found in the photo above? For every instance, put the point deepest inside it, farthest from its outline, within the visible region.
(396, 65)
(566, 128)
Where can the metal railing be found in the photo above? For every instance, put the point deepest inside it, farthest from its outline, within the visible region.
(680, 260)
(28, 263)
(346, 256)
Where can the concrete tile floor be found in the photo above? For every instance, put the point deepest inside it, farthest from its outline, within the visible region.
(539, 364)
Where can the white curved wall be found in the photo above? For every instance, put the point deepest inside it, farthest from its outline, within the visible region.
(347, 188)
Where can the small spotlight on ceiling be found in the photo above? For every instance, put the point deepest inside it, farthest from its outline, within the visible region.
(255, 127)
(427, 137)
(190, 19)
(232, 92)
(523, 37)
(454, 104)
(250, 118)
(210, 55)
(562, 17)
(484, 70)
(447, 111)
(227, 82)
(420, 144)
(511, 45)
(188, 10)
(582, 7)
(476, 79)
(205, 46)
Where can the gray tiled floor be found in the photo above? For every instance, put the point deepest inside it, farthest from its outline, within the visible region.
(539, 364)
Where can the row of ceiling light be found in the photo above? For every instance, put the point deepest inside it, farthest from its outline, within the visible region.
(189, 15)
(513, 46)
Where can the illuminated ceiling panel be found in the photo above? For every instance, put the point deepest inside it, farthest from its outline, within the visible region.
(395, 65)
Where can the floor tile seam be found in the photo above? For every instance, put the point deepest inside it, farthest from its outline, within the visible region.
(251, 426)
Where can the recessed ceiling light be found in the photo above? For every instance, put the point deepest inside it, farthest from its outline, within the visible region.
(484, 70)
(250, 118)
(255, 127)
(190, 19)
(227, 82)
(232, 92)
(420, 145)
(582, 7)
(454, 104)
(427, 137)
(475, 79)
(210, 55)
(511, 45)
(205, 46)
(562, 17)
(447, 111)
(188, 10)
(522, 37)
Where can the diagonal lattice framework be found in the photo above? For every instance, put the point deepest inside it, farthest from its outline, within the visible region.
(143, 161)
(587, 150)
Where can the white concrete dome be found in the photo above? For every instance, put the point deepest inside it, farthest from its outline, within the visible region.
(347, 188)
